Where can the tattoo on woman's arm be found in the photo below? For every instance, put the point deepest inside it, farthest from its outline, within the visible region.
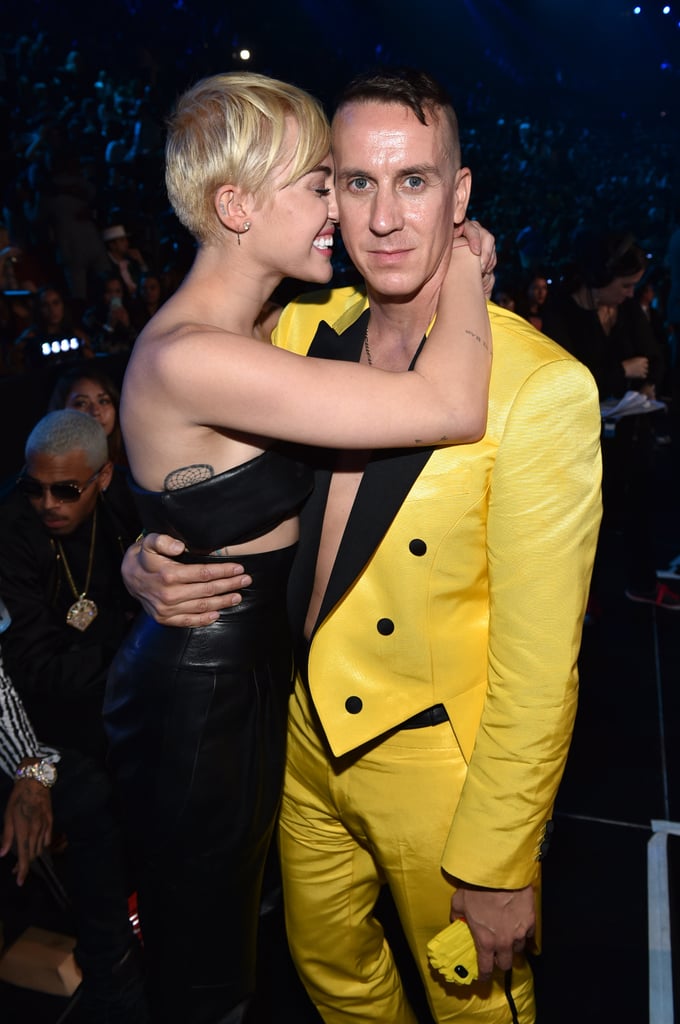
(477, 337)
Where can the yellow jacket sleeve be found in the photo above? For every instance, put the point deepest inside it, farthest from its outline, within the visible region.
(543, 518)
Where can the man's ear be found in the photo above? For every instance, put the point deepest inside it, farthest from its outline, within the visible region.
(104, 479)
(232, 205)
(463, 187)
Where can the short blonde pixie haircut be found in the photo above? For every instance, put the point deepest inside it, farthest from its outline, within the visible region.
(230, 128)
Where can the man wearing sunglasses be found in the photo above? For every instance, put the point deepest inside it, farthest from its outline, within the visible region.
(63, 529)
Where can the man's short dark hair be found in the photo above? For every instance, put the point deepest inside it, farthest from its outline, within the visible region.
(406, 87)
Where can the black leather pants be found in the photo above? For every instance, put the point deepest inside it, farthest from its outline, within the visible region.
(197, 725)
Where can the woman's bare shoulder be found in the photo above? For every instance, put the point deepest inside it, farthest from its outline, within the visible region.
(165, 341)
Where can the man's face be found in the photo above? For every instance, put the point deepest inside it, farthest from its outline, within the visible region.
(62, 518)
(399, 195)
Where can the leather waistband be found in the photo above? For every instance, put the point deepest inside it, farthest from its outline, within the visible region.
(430, 716)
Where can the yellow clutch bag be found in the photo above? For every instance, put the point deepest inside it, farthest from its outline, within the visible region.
(452, 952)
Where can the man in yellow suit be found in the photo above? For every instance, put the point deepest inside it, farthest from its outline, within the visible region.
(438, 600)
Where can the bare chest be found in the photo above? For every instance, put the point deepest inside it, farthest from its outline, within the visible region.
(342, 492)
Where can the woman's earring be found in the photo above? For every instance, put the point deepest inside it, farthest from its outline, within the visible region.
(246, 227)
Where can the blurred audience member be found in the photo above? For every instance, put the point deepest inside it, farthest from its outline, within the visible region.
(128, 261)
(88, 389)
(149, 299)
(594, 315)
(54, 334)
(596, 318)
(108, 322)
(17, 270)
(66, 203)
(530, 305)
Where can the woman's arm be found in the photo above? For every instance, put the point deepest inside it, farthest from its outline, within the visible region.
(222, 380)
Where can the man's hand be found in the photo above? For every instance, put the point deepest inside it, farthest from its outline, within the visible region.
(176, 594)
(28, 824)
(501, 920)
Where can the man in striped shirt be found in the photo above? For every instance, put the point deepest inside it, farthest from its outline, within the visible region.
(39, 786)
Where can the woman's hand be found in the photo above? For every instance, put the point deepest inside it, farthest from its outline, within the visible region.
(636, 367)
(483, 244)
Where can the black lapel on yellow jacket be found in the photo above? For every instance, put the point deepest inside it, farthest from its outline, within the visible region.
(327, 344)
(387, 480)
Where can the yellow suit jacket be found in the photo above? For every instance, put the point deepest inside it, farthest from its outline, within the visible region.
(462, 579)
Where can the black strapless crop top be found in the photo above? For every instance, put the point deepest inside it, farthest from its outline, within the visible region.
(233, 507)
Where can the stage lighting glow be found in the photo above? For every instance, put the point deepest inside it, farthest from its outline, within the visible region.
(637, 10)
(244, 54)
(666, 10)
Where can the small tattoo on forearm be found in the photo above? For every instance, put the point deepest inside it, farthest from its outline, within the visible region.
(477, 337)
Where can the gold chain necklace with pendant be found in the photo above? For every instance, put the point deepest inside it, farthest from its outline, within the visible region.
(83, 611)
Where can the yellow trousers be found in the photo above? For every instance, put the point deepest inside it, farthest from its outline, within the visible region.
(348, 825)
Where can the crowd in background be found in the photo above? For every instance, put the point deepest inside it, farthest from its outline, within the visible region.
(84, 160)
(89, 249)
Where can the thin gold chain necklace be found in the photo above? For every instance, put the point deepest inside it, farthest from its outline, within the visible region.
(83, 611)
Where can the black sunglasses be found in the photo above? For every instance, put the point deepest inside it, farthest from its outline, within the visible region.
(65, 492)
